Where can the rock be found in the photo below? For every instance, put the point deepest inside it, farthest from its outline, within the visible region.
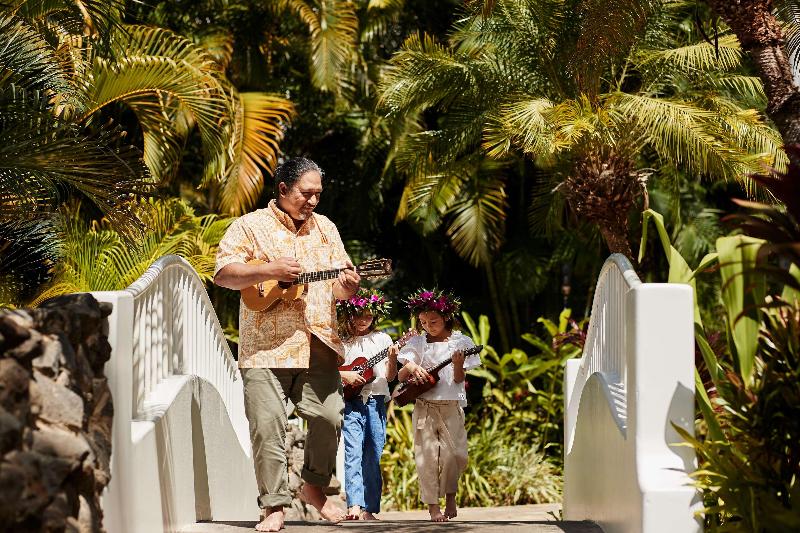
(27, 350)
(22, 484)
(61, 443)
(14, 381)
(55, 416)
(59, 404)
(13, 330)
(10, 431)
(294, 482)
(49, 362)
(55, 515)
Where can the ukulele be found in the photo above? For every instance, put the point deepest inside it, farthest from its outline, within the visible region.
(265, 295)
(364, 366)
(409, 390)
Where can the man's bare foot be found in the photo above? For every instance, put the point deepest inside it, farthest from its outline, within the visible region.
(450, 508)
(313, 495)
(436, 513)
(366, 515)
(353, 513)
(272, 520)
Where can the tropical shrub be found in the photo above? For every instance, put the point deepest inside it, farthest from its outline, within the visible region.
(748, 378)
(97, 258)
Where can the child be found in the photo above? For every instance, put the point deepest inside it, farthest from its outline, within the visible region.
(440, 440)
(365, 414)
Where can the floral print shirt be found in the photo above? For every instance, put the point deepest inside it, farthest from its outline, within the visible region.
(281, 336)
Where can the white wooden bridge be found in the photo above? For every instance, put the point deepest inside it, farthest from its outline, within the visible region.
(181, 449)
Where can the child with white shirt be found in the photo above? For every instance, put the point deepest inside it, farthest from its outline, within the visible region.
(364, 425)
(440, 439)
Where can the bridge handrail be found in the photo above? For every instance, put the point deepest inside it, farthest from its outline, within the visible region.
(604, 352)
(177, 332)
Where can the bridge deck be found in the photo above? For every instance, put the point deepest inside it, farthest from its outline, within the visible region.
(518, 519)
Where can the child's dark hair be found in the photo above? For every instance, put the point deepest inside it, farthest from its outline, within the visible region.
(451, 323)
(349, 329)
(292, 170)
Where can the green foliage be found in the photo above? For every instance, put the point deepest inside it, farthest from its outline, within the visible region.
(96, 258)
(747, 391)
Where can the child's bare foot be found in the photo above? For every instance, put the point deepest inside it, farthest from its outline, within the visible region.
(436, 513)
(272, 520)
(353, 513)
(313, 495)
(450, 509)
(366, 515)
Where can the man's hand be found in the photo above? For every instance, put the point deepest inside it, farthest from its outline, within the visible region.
(352, 378)
(349, 280)
(284, 269)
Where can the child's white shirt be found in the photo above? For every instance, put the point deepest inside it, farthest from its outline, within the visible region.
(367, 346)
(429, 354)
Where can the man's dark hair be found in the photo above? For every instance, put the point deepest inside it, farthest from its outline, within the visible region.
(290, 171)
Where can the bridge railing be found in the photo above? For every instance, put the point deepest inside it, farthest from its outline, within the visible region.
(181, 446)
(634, 380)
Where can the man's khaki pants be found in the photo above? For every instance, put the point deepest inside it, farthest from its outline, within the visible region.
(440, 447)
(316, 393)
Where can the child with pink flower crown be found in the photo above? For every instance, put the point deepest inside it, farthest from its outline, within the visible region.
(364, 426)
(440, 439)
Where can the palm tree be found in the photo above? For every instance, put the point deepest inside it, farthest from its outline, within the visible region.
(593, 92)
(584, 89)
(772, 39)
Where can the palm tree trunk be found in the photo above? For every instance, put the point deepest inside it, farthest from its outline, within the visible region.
(602, 190)
(616, 238)
(760, 35)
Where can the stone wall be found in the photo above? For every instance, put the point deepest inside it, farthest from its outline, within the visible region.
(55, 416)
(295, 449)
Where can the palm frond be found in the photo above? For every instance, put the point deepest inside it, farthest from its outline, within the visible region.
(260, 128)
(478, 219)
(334, 30)
(423, 74)
(42, 157)
(27, 252)
(695, 57)
(175, 72)
(681, 133)
(98, 19)
(96, 258)
(28, 61)
(607, 30)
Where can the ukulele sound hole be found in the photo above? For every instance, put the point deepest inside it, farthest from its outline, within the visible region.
(284, 284)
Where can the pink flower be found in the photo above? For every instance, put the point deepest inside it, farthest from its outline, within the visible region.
(426, 295)
(362, 302)
(374, 298)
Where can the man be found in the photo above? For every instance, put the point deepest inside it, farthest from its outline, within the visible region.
(292, 350)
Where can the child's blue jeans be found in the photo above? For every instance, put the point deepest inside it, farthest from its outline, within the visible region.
(364, 435)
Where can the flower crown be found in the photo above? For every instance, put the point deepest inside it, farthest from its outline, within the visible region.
(444, 303)
(364, 300)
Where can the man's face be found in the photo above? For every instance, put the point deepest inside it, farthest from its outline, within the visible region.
(302, 198)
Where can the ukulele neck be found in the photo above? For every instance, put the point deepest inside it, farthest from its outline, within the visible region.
(320, 275)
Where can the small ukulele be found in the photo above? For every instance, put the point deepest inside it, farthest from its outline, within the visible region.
(365, 366)
(265, 295)
(409, 390)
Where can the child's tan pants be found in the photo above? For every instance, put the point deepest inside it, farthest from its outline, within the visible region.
(440, 447)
